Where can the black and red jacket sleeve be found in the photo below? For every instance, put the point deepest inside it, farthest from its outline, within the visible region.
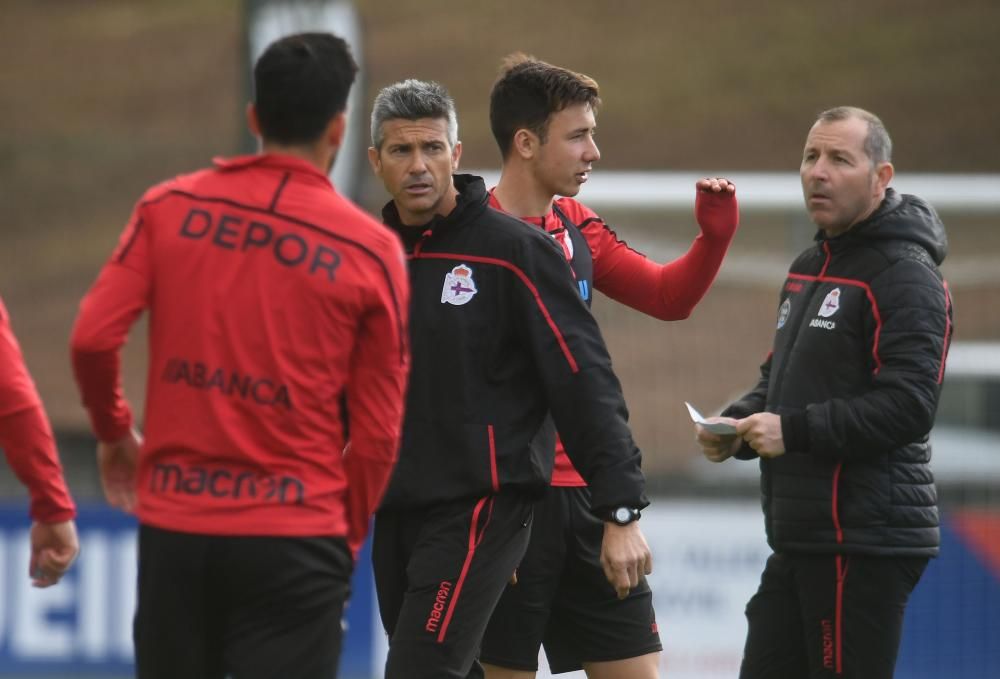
(376, 394)
(584, 395)
(668, 291)
(26, 436)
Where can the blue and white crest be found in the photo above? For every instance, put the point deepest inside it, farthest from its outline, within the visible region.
(783, 311)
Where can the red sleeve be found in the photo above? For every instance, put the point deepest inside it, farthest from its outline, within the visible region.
(26, 437)
(106, 313)
(375, 394)
(668, 291)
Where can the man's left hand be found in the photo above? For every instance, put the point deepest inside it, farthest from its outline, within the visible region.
(117, 462)
(763, 433)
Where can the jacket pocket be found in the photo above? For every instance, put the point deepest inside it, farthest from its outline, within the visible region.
(492, 452)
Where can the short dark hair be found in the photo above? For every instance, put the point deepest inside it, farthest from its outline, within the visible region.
(412, 100)
(529, 91)
(300, 83)
(878, 144)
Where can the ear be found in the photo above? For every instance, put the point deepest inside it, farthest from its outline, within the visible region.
(253, 122)
(456, 153)
(525, 144)
(375, 161)
(884, 173)
(336, 129)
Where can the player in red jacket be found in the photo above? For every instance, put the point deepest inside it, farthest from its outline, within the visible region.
(277, 363)
(543, 118)
(26, 439)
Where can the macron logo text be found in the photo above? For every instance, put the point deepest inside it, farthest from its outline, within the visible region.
(437, 610)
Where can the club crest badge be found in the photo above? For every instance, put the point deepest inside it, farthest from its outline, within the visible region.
(783, 311)
(830, 304)
(459, 288)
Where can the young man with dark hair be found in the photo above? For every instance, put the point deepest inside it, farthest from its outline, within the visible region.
(27, 442)
(840, 417)
(543, 119)
(278, 358)
(500, 339)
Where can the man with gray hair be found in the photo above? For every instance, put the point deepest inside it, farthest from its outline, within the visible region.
(840, 416)
(500, 338)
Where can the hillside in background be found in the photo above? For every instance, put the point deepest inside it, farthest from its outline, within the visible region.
(99, 100)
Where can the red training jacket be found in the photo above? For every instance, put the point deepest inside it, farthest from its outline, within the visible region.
(25, 434)
(668, 291)
(277, 335)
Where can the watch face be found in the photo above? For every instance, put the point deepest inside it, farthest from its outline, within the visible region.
(622, 515)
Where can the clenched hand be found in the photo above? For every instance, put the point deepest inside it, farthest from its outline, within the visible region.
(625, 556)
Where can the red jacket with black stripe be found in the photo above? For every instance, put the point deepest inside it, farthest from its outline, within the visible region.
(601, 260)
(277, 336)
(25, 434)
(864, 322)
(501, 337)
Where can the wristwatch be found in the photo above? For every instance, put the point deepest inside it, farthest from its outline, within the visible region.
(623, 516)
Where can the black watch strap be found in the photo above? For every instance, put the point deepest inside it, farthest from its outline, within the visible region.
(623, 516)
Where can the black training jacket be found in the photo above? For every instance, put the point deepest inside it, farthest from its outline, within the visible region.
(863, 329)
(499, 338)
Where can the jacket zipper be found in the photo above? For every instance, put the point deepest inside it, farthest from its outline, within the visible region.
(420, 243)
(779, 378)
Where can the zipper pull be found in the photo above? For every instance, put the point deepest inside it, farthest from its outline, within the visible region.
(420, 243)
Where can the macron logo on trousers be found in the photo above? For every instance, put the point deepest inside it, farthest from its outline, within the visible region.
(437, 610)
(827, 644)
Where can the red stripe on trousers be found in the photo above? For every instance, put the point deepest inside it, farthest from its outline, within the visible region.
(473, 543)
(493, 459)
(839, 615)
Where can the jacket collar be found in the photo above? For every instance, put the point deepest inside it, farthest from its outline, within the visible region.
(471, 201)
(272, 160)
(900, 217)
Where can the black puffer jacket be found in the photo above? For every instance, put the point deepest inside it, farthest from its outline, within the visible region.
(500, 337)
(864, 324)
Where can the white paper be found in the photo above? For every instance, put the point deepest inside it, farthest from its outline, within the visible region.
(714, 427)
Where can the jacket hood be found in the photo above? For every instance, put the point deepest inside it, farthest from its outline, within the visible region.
(905, 217)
